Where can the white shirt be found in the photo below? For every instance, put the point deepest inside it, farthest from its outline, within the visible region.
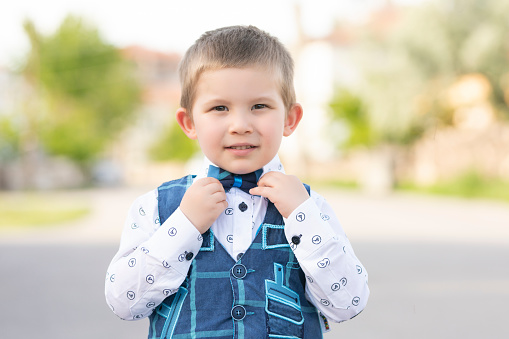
(146, 270)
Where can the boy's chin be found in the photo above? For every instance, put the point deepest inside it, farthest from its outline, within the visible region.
(240, 172)
(242, 166)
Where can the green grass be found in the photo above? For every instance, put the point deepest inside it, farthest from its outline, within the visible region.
(468, 185)
(29, 210)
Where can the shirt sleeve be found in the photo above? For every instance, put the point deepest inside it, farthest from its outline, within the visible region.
(336, 281)
(152, 261)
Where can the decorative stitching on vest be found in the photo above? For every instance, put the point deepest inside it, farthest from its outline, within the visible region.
(209, 248)
(172, 313)
(265, 229)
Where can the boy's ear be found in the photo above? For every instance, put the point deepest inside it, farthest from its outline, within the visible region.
(292, 119)
(186, 123)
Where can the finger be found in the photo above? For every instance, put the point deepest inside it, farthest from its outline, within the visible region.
(214, 186)
(262, 191)
(218, 196)
(207, 181)
(270, 179)
(219, 201)
(223, 204)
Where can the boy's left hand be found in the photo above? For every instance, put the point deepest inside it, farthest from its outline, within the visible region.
(285, 191)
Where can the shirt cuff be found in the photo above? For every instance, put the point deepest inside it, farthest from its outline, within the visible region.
(307, 229)
(176, 243)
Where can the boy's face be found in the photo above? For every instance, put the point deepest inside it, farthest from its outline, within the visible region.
(238, 117)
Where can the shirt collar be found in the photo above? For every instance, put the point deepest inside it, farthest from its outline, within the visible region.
(274, 165)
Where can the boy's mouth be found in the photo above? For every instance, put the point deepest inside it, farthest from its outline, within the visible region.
(241, 147)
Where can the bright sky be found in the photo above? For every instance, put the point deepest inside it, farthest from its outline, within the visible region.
(172, 25)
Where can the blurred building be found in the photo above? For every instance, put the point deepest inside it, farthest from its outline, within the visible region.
(323, 64)
(157, 73)
(476, 141)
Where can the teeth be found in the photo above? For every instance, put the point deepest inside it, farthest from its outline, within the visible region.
(241, 147)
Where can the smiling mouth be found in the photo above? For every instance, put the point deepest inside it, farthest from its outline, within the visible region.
(241, 147)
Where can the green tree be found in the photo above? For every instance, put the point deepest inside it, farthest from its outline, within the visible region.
(446, 39)
(173, 144)
(89, 91)
(407, 71)
(9, 140)
(349, 108)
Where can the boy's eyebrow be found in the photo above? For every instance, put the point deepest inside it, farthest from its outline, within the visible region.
(216, 101)
(264, 98)
(219, 100)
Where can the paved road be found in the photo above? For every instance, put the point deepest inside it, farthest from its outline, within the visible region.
(438, 269)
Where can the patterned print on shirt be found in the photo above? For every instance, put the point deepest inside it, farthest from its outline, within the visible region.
(325, 302)
(300, 217)
(335, 287)
(323, 263)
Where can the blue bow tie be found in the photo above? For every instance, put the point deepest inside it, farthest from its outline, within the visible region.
(243, 181)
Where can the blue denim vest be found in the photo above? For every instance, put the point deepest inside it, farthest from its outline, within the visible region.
(261, 295)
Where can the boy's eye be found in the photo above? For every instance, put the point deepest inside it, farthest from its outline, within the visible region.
(220, 108)
(259, 106)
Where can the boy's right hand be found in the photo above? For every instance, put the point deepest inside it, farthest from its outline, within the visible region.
(203, 202)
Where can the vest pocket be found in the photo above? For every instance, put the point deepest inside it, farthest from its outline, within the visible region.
(283, 320)
(171, 312)
(282, 305)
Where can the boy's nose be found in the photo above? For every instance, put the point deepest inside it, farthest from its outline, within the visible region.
(240, 123)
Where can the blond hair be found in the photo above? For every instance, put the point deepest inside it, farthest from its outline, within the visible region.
(235, 47)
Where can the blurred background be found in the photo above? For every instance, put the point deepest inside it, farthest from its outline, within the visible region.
(405, 132)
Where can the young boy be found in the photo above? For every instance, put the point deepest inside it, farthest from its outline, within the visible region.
(241, 250)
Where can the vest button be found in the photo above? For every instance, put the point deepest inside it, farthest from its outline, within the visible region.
(242, 207)
(296, 239)
(238, 312)
(239, 271)
(189, 256)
